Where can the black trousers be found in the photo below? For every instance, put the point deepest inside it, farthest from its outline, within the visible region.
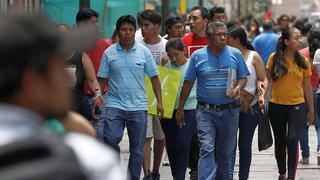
(286, 122)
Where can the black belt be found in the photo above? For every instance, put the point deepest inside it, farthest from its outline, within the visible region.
(219, 106)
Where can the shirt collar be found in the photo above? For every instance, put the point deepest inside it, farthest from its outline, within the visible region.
(133, 47)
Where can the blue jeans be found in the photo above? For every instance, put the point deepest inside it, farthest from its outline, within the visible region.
(247, 125)
(304, 139)
(136, 122)
(217, 132)
(102, 117)
(178, 142)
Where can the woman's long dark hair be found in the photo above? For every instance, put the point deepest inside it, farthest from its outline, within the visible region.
(279, 66)
(239, 32)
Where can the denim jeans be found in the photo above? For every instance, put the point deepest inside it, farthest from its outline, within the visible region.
(217, 132)
(304, 136)
(247, 125)
(178, 142)
(102, 117)
(136, 122)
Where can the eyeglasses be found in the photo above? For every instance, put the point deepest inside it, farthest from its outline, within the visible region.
(220, 35)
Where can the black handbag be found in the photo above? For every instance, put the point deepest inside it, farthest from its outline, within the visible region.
(265, 140)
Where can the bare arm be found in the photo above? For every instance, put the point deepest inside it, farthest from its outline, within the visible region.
(90, 75)
(308, 92)
(157, 91)
(261, 76)
(184, 94)
(241, 83)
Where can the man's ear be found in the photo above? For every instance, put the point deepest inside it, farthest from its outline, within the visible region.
(206, 20)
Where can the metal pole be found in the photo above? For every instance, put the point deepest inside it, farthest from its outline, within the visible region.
(239, 8)
(84, 4)
(103, 24)
(200, 2)
(165, 14)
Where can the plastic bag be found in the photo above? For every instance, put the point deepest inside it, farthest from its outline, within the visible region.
(265, 140)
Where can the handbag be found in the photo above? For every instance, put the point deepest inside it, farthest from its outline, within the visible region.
(265, 140)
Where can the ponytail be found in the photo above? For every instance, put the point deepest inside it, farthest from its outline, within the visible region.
(279, 66)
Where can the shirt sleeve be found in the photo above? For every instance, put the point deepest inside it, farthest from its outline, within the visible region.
(104, 69)
(242, 70)
(150, 68)
(191, 73)
(270, 61)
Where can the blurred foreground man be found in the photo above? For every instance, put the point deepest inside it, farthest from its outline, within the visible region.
(34, 88)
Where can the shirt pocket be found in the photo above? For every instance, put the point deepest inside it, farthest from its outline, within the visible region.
(136, 66)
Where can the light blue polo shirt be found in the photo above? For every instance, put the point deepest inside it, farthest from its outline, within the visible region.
(211, 73)
(265, 44)
(191, 102)
(126, 72)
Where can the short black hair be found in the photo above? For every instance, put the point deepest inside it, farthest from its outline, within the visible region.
(126, 19)
(203, 10)
(215, 10)
(172, 21)
(27, 42)
(314, 41)
(175, 43)
(85, 14)
(267, 25)
(149, 15)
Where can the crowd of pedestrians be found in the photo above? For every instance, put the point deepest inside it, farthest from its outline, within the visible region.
(230, 71)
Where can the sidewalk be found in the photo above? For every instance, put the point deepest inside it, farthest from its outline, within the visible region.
(263, 166)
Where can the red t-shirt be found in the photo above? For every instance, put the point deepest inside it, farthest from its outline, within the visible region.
(314, 76)
(95, 55)
(193, 43)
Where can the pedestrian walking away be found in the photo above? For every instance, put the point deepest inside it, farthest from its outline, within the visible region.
(310, 54)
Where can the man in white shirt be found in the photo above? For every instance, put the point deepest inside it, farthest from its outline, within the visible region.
(150, 24)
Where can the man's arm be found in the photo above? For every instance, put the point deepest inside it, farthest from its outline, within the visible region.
(184, 94)
(241, 83)
(157, 92)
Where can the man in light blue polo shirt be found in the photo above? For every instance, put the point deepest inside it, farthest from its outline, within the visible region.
(266, 42)
(123, 67)
(217, 114)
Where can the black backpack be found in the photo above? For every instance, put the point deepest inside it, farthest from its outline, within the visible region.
(40, 157)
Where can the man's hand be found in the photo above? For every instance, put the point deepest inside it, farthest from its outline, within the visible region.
(234, 92)
(180, 117)
(98, 100)
(160, 110)
(261, 102)
(95, 112)
(261, 88)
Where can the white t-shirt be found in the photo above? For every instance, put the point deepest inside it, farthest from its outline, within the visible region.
(316, 64)
(157, 50)
(316, 60)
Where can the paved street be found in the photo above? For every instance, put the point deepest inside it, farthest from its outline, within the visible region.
(263, 165)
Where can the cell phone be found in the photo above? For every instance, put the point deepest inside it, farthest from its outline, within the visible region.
(97, 110)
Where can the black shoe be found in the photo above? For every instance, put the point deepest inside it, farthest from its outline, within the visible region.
(147, 177)
(282, 177)
(155, 176)
(193, 175)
